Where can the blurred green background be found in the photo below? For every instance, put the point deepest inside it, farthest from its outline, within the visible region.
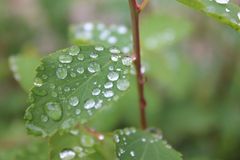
(191, 63)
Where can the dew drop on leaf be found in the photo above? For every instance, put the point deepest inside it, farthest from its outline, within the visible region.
(38, 82)
(108, 85)
(222, 1)
(80, 57)
(53, 110)
(65, 58)
(80, 70)
(108, 94)
(123, 84)
(114, 50)
(127, 61)
(93, 55)
(67, 154)
(89, 104)
(74, 101)
(114, 57)
(96, 91)
(87, 141)
(74, 50)
(113, 76)
(99, 48)
(61, 73)
(93, 67)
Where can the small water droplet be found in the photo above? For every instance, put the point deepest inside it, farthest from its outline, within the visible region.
(108, 85)
(112, 40)
(38, 82)
(127, 61)
(54, 94)
(73, 75)
(132, 153)
(80, 70)
(116, 138)
(88, 26)
(222, 1)
(108, 94)
(77, 111)
(65, 58)
(93, 55)
(74, 50)
(114, 57)
(114, 50)
(122, 30)
(44, 118)
(238, 14)
(93, 67)
(80, 57)
(61, 73)
(99, 48)
(74, 101)
(89, 104)
(67, 154)
(87, 141)
(123, 84)
(96, 91)
(53, 110)
(113, 76)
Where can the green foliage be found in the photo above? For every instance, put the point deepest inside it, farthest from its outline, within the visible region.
(135, 144)
(227, 13)
(72, 84)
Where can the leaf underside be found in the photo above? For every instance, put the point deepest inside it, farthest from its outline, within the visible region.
(71, 85)
(226, 13)
(132, 144)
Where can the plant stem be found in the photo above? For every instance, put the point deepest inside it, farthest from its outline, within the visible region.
(135, 9)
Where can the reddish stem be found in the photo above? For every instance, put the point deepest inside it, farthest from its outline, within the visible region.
(135, 10)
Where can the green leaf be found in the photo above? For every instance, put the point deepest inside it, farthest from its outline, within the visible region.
(74, 83)
(79, 144)
(142, 145)
(23, 67)
(160, 31)
(99, 33)
(226, 13)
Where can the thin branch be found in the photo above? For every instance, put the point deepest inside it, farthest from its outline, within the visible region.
(135, 10)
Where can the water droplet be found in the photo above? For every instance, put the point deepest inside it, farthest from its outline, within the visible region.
(80, 70)
(61, 73)
(112, 40)
(127, 61)
(74, 101)
(98, 104)
(113, 76)
(74, 50)
(54, 94)
(67, 154)
(108, 85)
(88, 26)
(36, 130)
(67, 89)
(108, 94)
(132, 153)
(114, 57)
(44, 118)
(93, 67)
(73, 75)
(122, 30)
(222, 1)
(238, 15)
(87, 141)
(114, 50)
(53, 110)
(93, 55)
(77, 111)
(89, 104)
(116, 138)
(65, 58)
(38, 82)
(80, 57)
(96, 91)
(125, 50)
(99, 48)
(227, 10)
(67, 124)
(123, 84)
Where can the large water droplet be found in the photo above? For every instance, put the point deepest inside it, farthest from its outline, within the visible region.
(222, 1)
(87, 141)
(89, 104)
(74, 101)
(93, 67)
(96, 91)
(74, 50)
(61, 73)
(123, 84)
(65, 58)
(127, 61)
(67, 154)
(113, 76)
(53, 110)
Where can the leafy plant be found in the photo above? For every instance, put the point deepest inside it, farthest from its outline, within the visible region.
(73, 85)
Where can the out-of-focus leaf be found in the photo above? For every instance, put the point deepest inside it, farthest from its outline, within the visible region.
(23, 67)
(90, 33)
(224, 11)
(135, 145)
(74, 83)
(78, 144)
(160, 31)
